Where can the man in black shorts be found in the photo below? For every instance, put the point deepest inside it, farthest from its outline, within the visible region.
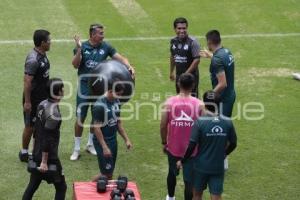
(36, 76)
(45, 151)
(184, 54)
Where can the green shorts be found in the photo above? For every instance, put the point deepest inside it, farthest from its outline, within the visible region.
(226, 106)
(187, 168)
(83, 100)
(214, 181)
(106, 165)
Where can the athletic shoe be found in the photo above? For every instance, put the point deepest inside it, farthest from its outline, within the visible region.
(226, 164)
(91, 149)
(75, 155)
(296, 76)
(170, 198)
(23, 157)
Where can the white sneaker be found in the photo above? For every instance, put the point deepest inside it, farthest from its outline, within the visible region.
(170, 198)
(75, 155)
(226, 164)
(91, 149)
(296, 76)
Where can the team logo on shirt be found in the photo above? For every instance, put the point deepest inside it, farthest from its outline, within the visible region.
(91, 63)
(217, 129)
(186, 47)
(179, 46)
(101, 52)
(87, 52)
(108, 166)
(184, 120)
(42, 64)
(46, 74)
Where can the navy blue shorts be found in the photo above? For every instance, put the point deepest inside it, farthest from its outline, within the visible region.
(106, 165)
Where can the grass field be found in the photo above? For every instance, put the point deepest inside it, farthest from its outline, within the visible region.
(266, 164)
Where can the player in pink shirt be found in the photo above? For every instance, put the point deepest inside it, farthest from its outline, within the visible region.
(177, 119)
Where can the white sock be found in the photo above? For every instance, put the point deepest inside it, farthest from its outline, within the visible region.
(170, 198)
(23, 151)
(90, 140)
(77, 144)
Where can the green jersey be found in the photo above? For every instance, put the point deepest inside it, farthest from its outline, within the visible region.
(223, 61)
(107, 113)
(93, 55)
(212, 133)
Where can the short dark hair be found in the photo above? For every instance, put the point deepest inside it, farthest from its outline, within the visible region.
(180, 20)
(93, 27)
(214, 36)
(40, 36)
(211, 100)
(186, 81)
(54, 86)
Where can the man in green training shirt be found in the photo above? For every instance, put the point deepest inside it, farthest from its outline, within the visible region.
(87, 56)
(215, 137)
(107, 122)
(222, 74)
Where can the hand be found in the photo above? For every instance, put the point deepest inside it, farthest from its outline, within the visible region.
(128, 144)
(172, 77)
(77, 41)
(165, 151)
(27, 107)
(132, 72)
(205, 54)
(43, 167)
(179, 164)
(106, 152)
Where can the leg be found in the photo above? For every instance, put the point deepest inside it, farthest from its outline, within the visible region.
(81, 112)
(188, 179)
(33, 185)
(106, 165)
(27, 134)
(200, 181)
(90, 146)
(188, 191)
(215, 184)
(215, 197)
(197, 195)
(60, 189)
(173, 172)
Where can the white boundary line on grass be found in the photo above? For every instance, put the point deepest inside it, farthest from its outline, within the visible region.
(254, 35)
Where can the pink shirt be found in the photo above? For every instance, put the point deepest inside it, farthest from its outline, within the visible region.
(181, 112)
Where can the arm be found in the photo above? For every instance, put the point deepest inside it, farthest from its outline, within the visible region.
(77, 57)
(124, 135)
(125, 61)
(100, 138)
(164, 125)
(27, 92)
(222, 83)
(195, 138)
(189, 151)
(195, 48)
(206, 54)
(232, 141)
(172, 68)
(193, 66)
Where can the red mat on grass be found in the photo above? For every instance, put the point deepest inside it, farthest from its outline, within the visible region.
(88, 191)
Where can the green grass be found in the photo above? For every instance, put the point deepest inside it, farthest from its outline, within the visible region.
(266, 163)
